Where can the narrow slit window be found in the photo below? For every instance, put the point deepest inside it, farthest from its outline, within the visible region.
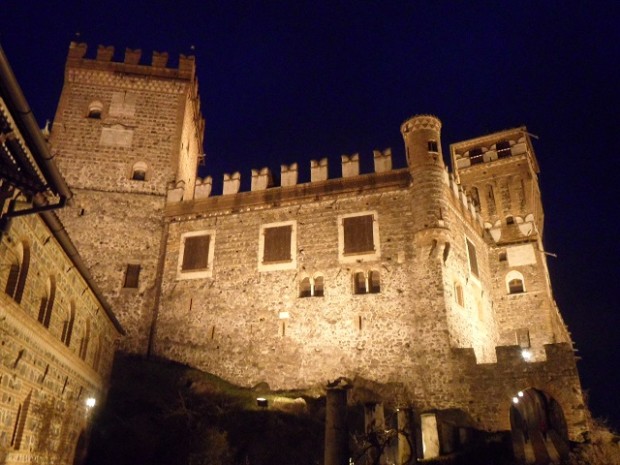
(132, 276)
(359, 283)
(318, 286)
(472, 258)
(374, 282)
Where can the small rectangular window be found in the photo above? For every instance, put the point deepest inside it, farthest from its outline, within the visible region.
(196, 253)
(473, 260)
(132, 275)
(277, 245)
(358, 234)
(432, 146)
(523, 338)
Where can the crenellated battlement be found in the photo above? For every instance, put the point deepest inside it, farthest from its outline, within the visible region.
(262, 179)
(104, 59)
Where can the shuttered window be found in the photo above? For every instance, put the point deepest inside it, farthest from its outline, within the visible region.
(473, 260)
(277, 246)
(358, 234)
(196, 253)
(132, 276)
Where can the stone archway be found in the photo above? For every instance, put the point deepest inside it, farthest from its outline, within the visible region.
(538, 428)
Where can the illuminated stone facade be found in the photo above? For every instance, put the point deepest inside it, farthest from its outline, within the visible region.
(57, 334)
(427, 288)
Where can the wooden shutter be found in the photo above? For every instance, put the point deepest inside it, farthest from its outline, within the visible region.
(132, 276)
(358, 236)
(473, 260)
(196, 253)
(277, 246)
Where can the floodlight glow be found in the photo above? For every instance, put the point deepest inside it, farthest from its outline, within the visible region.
(526, 354)
(515, 400)
(91, 402)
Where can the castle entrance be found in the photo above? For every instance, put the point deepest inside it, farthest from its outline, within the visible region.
(538, 428)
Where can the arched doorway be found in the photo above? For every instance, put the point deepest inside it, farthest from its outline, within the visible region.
(539, 433)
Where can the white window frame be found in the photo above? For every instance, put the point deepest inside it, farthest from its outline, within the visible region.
(206, 273)
(359, 257)
(285, 265)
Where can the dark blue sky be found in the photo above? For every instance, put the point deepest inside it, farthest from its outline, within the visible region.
(293, 81)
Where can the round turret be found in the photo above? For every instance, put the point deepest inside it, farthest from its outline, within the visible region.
(422, 134)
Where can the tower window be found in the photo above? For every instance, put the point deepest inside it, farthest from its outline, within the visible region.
(95, 109)
(475, 156)
(503, 149)
(472, 258)
(458, 294)
(132, 276)
(515, 283)
(138, 171)
(18, 273)
(359, 283)
(432, 146)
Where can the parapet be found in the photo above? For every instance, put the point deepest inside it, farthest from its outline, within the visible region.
(104, 59)
(421, 122)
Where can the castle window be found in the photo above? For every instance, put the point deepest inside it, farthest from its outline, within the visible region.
(510, 220)
(359, 283)
(132, 276)
(18, 272)
(84, 341)
(367, 283)
(475, 156)
(358, 236)
(277, 246)
(503, 149)
(503, 256)
(523, 338)
(318, 286)
(138, 171)
(20, 422)
(311, 287)
(196, 255)
(95, 109)
(515, 283)
(374, 282)
(47, 304)
(67, 327)
(305, 288)
(432, 146)
(472, 258)
(458, 294)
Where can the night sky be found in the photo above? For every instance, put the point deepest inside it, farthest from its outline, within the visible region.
(285, 82)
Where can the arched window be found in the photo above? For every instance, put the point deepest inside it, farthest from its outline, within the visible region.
(67, 328)
(47, 303)
(374, 282)
(359, 283)
(97, 356)
(318, 286)
(305, 288)
(138, 171)
(367, 283)
(84, 341)
(18, 273)
(515, 283)
(95, 109)
(458, 294)
(20, 422)
(311, 287)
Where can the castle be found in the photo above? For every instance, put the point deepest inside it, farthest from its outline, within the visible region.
(427, 288)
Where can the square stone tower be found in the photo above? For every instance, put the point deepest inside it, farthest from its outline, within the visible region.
(124, 132)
